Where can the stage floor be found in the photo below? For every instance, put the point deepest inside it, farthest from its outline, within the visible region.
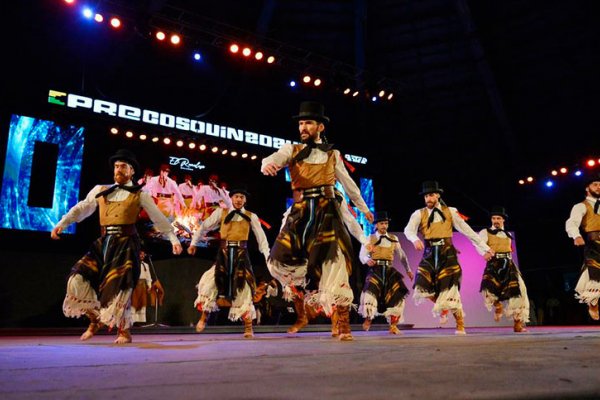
(175, 363)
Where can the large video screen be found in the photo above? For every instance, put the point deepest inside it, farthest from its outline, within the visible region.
(42, 172)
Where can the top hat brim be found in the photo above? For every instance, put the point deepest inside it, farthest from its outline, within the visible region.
(381, 220)
(424, 192)
(505, 216)
(241, 191)
(308, 116)
(131, 161)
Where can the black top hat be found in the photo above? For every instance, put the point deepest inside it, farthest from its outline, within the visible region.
(380, 216)
(239, 189)
(498, 210)
(591, 179)
(431, 187)
(124, 155)
(311, 110)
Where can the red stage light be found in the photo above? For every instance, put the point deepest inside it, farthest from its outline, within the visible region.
(98, 18)
(143, 137)
(234, 48)
(530, 179)
(115, 22)
(270, 59)
(70, 2)
(179, 143)
(114, 131)
(521, 182)
(347, 90)
(155, 139)
(554, 172)
(233, 153)
(202, 147)
(563, 170)
(129, 134)
(175, 39)
(192, 145)
(160, 35)
(166, 140)
(246, 52)
(591, 163)
(317, 82)
(214, 149)
(306, 78)
(259, 55)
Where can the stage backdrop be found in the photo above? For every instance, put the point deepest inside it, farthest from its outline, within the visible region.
(476, 314)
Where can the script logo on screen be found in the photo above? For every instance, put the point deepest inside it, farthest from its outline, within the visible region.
(184, 163)
(190, 125)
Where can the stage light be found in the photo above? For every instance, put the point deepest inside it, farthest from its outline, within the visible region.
(381, 93)
(175, 39)
(245, 155)
(390, 96)
(521, 182)
(214, 149)
(563, 170)
(292, 83)
(98, 17)
(202, 147)
(374, 98)
(355, 94)
(253, 157)
(549, 183)
(155, 139)
(306, 78)
(554, 172)
(578, 173)
(114, 131)
(70, 2)
(192, 145)
(129, 134)
(87, 12)
(347, 90)
(591, 163)
(317, 82)
(197, 56)
(143, 137)
(530, 179)
(160, 35)
(179, 143)
(246, 52)
(166, 140)
(115, 22)
(234, 48)
(234, 153)
(259, 55)
(270, 60)
(224, 151)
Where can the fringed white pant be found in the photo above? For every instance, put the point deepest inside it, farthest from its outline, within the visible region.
(368, 308)
(334, 286)
(515, 307)
(207, 298)
(82, 299)
(587, 291)
(447, 300)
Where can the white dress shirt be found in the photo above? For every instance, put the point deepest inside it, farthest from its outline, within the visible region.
(87, 206)
(412, 228)
(577, 212)
(214, 221)
(398, 252)
(283, 156)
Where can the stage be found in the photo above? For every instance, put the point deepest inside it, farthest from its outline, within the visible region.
(176, 363)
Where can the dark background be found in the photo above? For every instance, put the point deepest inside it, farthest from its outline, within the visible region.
(486, 93)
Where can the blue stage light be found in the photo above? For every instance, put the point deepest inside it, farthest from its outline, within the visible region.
(578, 173)
(197, 56)
(88, 13)
(292, 83)
(549, 183)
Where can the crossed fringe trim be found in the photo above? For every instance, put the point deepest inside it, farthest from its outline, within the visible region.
(368, 308)
(587, 291)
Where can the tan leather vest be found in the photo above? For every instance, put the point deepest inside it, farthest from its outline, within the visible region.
(499, 244)
(436, 230)
(235, 230)
(306, 176)
(383, 253)
(590, 221)
(119, 212)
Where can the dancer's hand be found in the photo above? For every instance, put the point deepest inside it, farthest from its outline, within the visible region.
(270, 169)
(58, 230)
(418, 245)
(578, 241)
(177, 249)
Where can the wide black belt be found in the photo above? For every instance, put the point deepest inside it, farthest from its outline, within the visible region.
(234, 243)
(187, 196)
(211, 204)
(327, 191)
(438, 242)
(118, 230)
(593, 236)
(504, 255)
(166, 195)
(387, 263)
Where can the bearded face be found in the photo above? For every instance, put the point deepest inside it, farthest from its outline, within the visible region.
(594, 189)
(123, 172)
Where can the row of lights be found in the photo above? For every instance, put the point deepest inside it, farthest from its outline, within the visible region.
(248, 52)
(563, 171)
(245, 51)
(180, 143)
